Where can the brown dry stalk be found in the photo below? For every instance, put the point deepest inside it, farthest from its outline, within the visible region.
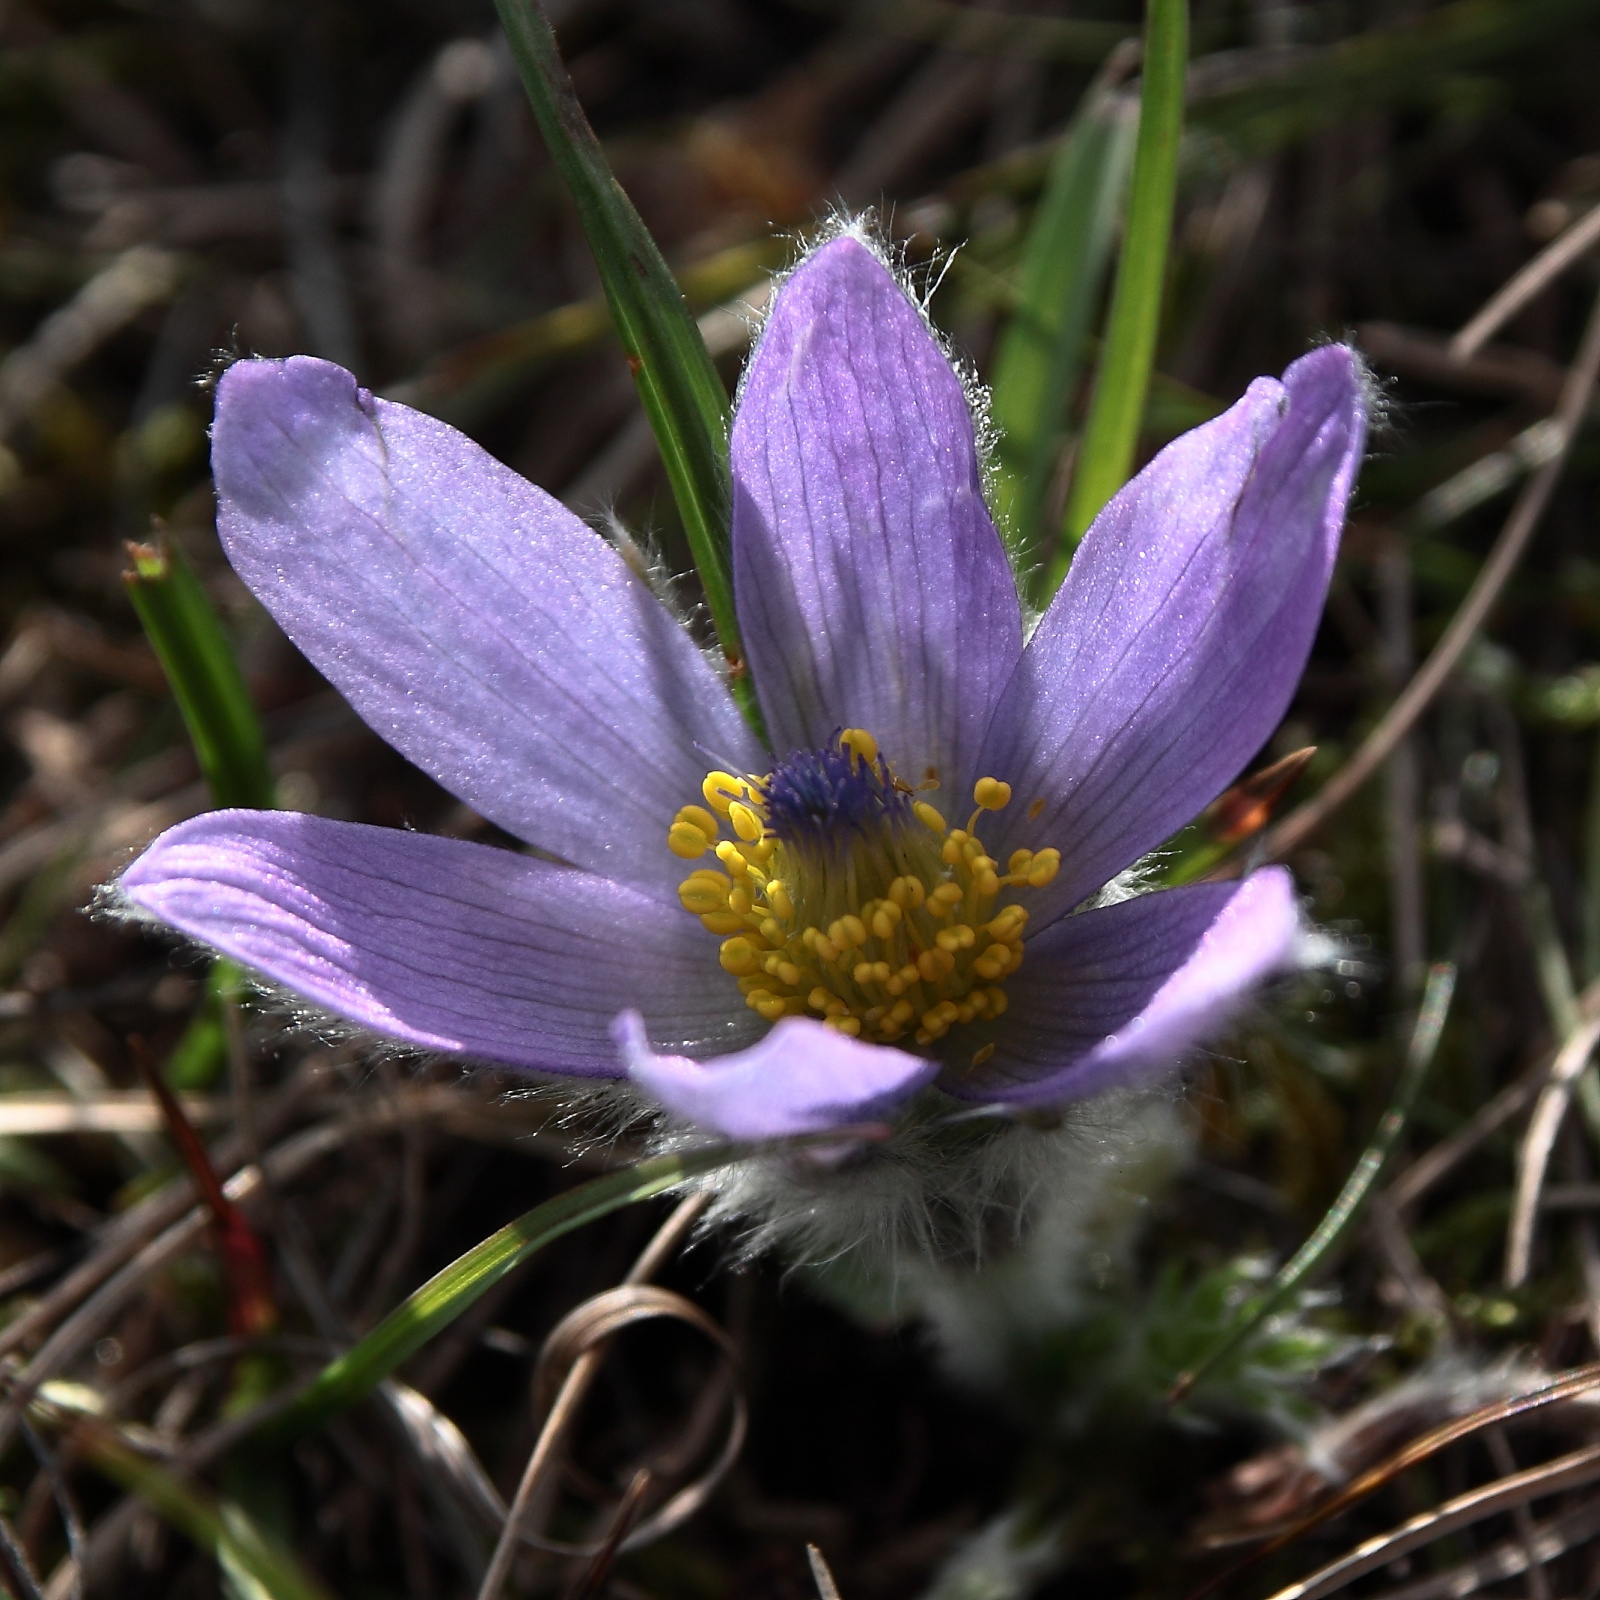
(1533, 1159)
(570, 1396)
(1566, 1386)
(1504, 1494)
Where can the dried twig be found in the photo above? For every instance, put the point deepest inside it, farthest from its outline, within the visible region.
(1569, 1472)
(1517, 291)
(564, 1406)
(1534, 1157)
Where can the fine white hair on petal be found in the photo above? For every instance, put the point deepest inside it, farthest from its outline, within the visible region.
(940, 1195)
(867, 230)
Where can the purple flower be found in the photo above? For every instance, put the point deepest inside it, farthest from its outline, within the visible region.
(774, 942)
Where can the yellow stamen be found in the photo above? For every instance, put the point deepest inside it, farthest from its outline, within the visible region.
(698, 817)
(686, 840)
(721, 789)
(746, 822)
(860, 744)
(894, 928)
(991, 794)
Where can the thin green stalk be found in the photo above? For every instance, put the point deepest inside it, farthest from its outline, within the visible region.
(1591, 872)
(450, 1292)
(1112, 432)
(682, 394)
(189, 641)
(1063, 271)
(205, 677)
(1431, 1014)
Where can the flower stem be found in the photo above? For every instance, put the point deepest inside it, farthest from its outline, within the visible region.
(682, 394)
(1112, 432)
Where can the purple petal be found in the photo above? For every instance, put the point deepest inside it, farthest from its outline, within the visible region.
(441, 943)
(472, 620)
(1174, 646)
(872, 588)
(1107, 998)
(802, 1077)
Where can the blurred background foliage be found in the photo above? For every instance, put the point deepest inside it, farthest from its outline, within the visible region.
(182, 181)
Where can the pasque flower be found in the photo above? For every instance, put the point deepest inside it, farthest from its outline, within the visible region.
(769, 940)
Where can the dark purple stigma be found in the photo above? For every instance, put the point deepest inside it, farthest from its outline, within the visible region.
(812, 795)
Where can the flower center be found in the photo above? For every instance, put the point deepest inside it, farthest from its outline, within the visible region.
(842, 896)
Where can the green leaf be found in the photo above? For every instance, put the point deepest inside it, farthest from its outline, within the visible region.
(1112, 432)
(197, 1059)
(678, 384)
(447, 1294)
(1064, 264)
(205, 678)
(199, 662)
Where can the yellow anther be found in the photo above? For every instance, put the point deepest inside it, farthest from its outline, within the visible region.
(981, 1055)
(859, 743)
(698, 817)
(703, 891)
(992, 963)
(739, 957)
(687, 841)
(746, 823)
(1044, 869)
(721, 789)
(992, 794)
(797, 926)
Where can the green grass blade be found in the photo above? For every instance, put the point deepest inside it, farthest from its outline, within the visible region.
(205, 678)
(683, 396)
(1064, 264)
(188, 639)
(1431, 1014)
(1112, 432)
(220, 1527)
(447, 1294)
